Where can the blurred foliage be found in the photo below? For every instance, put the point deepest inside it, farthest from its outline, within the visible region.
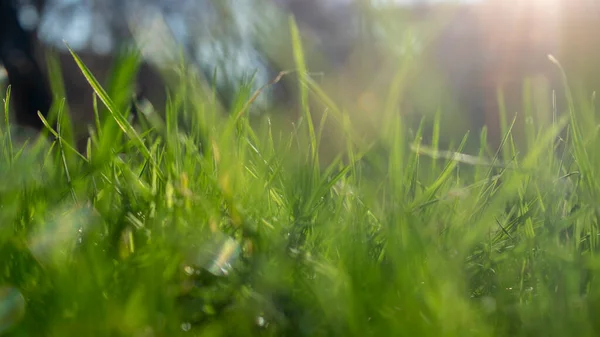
(240, 225)
(223, 228)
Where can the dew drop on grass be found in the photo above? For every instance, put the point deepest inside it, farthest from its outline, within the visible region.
(56, 239)
(186, 326)
(219, 254)
(261, 322)
(12, 307)
(189, 270)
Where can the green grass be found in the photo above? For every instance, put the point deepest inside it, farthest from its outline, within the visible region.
(237, 227)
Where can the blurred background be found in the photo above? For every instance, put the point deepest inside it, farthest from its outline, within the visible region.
(373, 57)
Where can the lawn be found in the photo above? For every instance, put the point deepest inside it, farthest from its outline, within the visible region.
(232, 225)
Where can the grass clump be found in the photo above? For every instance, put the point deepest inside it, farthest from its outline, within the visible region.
(237, 228)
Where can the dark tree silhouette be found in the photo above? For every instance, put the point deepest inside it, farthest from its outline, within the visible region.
(239, 39)
(29, 89)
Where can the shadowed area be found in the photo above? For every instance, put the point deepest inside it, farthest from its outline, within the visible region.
(30, 92)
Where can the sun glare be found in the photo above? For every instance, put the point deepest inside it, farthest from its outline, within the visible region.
(522, 23)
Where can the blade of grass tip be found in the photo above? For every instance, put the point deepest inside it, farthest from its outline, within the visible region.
(92, 135)
(577, 137)
(117, 116)
(243, 94)
(21, 149)
(396, 162)
(48, 157)
(503, 142)
(502, 114)
(352, 160)
(411, 176)
(256, 93)
(61, 149)
(327, 185)
(563, 74)
(435, 137)
(319, 136)
(48, 126)
(57, 137)
(431, 190)
(96, 114)
(300, 63)
(7, 123)
(545, 139)
(88, 149)
(57, 85)
(482, 152)
(580, 152)
(122, 76)
(64, 141)
(576, 132)
(334, 110)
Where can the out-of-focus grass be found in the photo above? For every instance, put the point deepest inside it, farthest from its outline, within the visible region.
(227, 229)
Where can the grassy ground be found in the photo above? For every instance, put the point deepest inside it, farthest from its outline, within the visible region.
(227, 229)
